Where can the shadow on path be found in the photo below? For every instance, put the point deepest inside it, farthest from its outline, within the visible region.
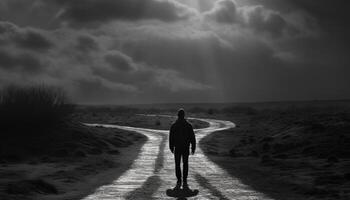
(181, 194)
(146, 190)
(130, 157)
(205, 183)
(160, 157)
(151, 185)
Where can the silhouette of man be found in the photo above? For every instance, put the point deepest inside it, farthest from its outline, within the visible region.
(181, 136)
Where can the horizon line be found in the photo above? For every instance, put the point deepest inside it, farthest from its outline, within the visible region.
(224, 102)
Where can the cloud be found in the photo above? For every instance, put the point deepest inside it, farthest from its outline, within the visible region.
(119, 61)
(87, 65)
(21, 62)
(82, 12)
(185, 51)
(86, 44)
(31, 39)
(257, 18)
(25, 38)
(264, 20)
(124, 69)
(172, 80)
(224, 11)
(155, 51)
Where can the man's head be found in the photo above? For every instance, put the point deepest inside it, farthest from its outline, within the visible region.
(181, 114)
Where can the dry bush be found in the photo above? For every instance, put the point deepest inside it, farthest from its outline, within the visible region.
(29, 107)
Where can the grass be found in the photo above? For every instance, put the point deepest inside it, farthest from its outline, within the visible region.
(304, 148)
(26, 187)
(75, 160)
(43, 151)
(33, 120)
(300, 150)
(32, 107)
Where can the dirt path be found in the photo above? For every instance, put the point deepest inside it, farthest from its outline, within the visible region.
(152, 173)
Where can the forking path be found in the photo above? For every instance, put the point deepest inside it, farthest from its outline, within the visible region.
(153, 171)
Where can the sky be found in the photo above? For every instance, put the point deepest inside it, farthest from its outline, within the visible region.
(167, 51)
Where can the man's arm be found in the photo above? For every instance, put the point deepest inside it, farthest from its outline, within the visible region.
(192, 139)
(171, 139)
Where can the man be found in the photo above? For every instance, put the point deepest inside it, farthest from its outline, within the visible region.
(181, 136)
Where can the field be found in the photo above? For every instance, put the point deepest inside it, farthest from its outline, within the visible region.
(69, 160)
(295, 148)
(68, 163)
(45, 152)
(287, 150)
(298, 149)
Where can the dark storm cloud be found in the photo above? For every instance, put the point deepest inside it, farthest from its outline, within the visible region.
(92, 11)
(188, 55)
(222, 53)
(224, 11)
(270, 22)
(195, 58)
(7, 32)
(86, 43)
(243, 66)
(124, 69)
(257, 18)
(22, 62)
(332, 15)
(30, 13)
(119, 61)
(32, 40)
(25, 38)
(333, 19)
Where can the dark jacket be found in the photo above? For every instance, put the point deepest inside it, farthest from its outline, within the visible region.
(181, 136)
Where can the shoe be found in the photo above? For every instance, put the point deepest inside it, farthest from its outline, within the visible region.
(185, 186)
(178, 185)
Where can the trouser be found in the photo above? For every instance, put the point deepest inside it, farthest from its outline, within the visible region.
(184, 156)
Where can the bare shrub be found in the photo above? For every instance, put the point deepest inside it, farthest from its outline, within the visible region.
(33, 106)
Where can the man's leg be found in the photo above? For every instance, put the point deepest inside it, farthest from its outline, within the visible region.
(185, 168)
(177, 168)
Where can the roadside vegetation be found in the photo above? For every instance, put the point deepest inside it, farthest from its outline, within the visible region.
(286, 150)
(301, 150)
(44, 151)
(33, 107)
